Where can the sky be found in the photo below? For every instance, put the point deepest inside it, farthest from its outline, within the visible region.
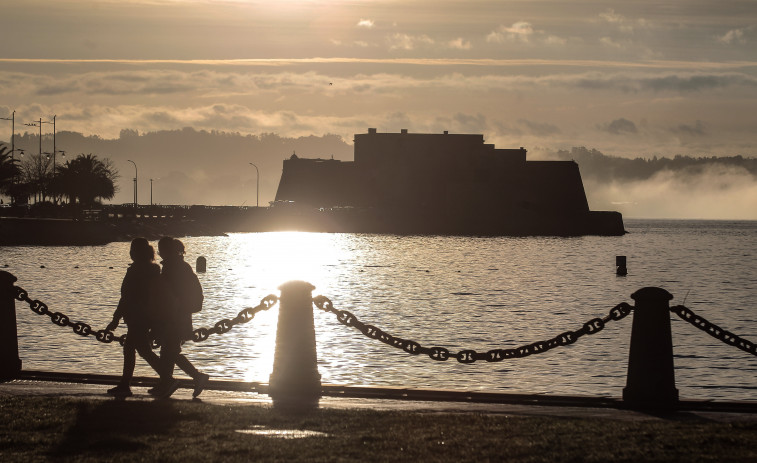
(640, 78)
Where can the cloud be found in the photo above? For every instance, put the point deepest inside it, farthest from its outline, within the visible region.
(367, 23)
(554, 40)
(693, 130)
(399, 41)
(464, 123)
(683, 82)
(623, 24)
(608, 42)
(520, 31)
(619, 127)
(539, 128)
(733, 36)
(459, 44)
(611, 17)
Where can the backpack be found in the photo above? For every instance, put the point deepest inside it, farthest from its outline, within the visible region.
(190, 295)
(193, 297)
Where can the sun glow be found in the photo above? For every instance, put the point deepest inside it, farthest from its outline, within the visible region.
(284, 256)
(265, 261)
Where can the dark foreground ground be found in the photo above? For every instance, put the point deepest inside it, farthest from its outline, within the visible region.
(63, 422)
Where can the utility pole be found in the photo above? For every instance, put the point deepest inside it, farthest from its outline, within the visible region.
(55, 150)
(136, 176)
(257, 185)
(39, 160)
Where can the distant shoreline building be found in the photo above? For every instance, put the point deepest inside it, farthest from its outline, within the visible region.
(446, 184)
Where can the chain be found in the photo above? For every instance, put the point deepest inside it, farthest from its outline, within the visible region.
(107, 337)
(244, 316)
(593, 326)
(714, 330)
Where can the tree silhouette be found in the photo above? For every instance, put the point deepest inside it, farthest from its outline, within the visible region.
(85, 179)
(9, 170)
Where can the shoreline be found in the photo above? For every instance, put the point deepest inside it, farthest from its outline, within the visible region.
(35, 231)
(69, 232)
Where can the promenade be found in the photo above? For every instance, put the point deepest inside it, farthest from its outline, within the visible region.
(232, 393)
(42, 420)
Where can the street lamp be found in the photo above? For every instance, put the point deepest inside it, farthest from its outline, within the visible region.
(39, 166)
(135, 182)
(151, 180)
(63, 153)
(257, 185)
(54, 148)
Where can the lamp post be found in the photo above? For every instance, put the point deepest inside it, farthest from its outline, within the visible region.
(54, 148)
(135, 182)
(39, 160)
(151, 180)
(257, 185)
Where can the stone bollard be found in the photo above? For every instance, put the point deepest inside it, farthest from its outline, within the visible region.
(201, 265)
(295, 382)
(10, 363)
(651, 380)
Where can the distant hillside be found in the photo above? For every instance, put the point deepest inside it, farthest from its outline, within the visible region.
(678, 187)
(191, 166)
(603, 168)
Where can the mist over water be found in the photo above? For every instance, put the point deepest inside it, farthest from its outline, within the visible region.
(455, 292)
(716, 192)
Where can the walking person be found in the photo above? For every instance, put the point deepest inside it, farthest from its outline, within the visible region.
(137, 312)
(180, 295)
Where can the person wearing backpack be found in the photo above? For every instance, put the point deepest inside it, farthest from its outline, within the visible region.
(180, 295)
(137, 310)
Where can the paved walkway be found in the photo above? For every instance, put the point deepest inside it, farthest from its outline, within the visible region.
(25, 387)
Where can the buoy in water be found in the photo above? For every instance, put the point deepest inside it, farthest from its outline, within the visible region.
(620, 266)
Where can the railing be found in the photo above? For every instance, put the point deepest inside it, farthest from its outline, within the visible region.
(650, 382)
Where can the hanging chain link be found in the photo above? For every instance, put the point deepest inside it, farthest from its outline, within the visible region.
(244, 316)
(346, 318)
(105, 336)
(714, 330)
(593, 326)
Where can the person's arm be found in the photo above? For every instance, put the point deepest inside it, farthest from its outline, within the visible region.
(119, 313)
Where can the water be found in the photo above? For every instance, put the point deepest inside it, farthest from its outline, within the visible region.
(455, 292)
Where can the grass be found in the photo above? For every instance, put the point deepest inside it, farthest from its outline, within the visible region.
(44, 428)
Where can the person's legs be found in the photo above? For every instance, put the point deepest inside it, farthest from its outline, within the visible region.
(145, 351)
(201, 379)
(123, 389)
(169, 353)
(186, 366)
(130, 360)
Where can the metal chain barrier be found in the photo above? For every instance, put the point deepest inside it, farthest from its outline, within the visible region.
(593, 326)
(107, 337)
(714, 330)
(244, 316)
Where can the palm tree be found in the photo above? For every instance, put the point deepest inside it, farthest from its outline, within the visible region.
(9, 170)
(85, 179)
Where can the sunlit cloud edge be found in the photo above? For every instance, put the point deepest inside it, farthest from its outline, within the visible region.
(655, 64)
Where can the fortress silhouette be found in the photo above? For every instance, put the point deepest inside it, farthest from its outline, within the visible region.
(445, 183)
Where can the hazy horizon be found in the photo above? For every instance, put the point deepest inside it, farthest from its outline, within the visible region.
(178, 163)
(635, 79)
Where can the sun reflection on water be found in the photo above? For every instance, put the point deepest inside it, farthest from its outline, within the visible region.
(455, 292)
(257, 264)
